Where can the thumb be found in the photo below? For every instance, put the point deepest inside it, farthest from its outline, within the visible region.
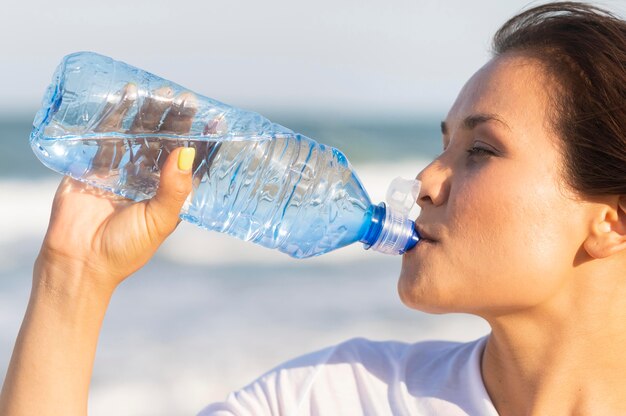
(174, 186)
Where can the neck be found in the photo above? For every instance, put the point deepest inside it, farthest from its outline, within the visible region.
(565, 356)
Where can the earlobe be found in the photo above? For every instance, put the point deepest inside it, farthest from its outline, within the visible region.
(608, 233)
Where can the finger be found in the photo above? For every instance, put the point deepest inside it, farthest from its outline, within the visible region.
(216, 126)
(163, 210)
(147, 120)
(108, 157)
(151, 112)
(117, 107)
(110, 152)
(180, 117)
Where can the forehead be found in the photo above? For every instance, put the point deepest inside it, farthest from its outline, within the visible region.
(514, 87)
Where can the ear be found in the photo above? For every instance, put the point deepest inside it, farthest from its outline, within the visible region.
(608, 230)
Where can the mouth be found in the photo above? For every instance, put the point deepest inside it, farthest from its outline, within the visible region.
(424, 235)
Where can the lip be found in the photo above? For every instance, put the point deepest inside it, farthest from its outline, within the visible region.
(424, 234)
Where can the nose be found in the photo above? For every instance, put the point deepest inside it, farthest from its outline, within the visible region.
(435, 180)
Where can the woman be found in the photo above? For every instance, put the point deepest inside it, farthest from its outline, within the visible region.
(524, 224)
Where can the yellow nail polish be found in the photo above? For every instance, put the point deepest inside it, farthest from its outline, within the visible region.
(185, 158)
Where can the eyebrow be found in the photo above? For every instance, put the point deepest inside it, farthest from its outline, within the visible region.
(473, 120)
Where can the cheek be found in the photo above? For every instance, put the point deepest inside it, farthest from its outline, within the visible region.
(520, 245)
(506, 245)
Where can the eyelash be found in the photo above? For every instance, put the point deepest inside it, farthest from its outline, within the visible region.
(480, 151)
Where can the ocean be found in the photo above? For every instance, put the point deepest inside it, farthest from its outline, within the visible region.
(210, 313)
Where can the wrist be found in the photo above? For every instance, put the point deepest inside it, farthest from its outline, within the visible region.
(70, 281)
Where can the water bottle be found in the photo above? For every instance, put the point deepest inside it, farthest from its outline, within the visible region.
(112, 125)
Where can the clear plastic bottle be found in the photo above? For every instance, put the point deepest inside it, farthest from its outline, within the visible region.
(253, 179)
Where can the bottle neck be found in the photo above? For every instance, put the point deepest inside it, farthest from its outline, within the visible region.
(389, 232)
(376, 221)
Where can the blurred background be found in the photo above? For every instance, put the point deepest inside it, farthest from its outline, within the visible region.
(210, 313)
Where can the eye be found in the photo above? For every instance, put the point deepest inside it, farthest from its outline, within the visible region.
(479, 149)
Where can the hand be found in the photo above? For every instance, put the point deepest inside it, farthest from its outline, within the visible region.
(108, 237)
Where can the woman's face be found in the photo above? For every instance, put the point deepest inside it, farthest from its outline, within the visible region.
(505, 228)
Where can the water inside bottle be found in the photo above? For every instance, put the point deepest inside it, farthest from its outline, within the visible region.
(285, 192)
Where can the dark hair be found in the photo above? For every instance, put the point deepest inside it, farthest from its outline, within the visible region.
(583, 48)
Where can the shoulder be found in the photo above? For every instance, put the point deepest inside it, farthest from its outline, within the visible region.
(355, 373)
(424, 367)
(386, 356)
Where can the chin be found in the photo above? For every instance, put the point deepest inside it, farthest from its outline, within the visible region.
(419, 291)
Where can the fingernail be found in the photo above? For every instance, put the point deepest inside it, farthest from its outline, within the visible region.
(185, 158)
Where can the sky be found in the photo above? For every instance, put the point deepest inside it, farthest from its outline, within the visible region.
(353, 57)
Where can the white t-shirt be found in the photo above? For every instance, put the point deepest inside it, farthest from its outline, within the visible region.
(361, 377)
